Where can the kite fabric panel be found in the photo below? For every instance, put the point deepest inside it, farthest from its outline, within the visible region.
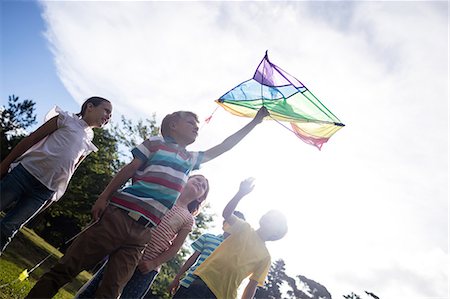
(287, 100)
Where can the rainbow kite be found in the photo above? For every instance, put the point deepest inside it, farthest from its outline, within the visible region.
(287, 99)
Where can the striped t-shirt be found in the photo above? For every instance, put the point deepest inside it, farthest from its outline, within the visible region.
(158, 183)
(171, 224)
(205, 244)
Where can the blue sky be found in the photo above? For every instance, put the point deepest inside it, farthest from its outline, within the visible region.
(28, 70)
(369, 211)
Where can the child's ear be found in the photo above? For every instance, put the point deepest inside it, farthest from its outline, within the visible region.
(172, 125)
(89, 106)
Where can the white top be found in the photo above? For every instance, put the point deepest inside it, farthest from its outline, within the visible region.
(54, 159)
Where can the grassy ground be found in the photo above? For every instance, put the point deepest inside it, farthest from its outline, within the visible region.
(25, 251)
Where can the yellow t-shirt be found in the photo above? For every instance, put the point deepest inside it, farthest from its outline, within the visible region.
(241, 255)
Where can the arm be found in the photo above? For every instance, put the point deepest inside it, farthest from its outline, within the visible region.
(245, 188)
(119, 179)
(25, 144)
(79, 161)
(234, 139)
(173, 286)
(250, 289)
(147, 266)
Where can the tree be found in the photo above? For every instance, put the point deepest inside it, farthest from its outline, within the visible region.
(14, 119)
(315, 289)
(352, 296)
(130, 134)
(275, 279)
(356, 296)
(277, 276)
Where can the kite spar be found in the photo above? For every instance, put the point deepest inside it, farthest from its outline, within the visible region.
(287, 100)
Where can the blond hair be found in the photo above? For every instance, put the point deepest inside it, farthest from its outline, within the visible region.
(174, 117)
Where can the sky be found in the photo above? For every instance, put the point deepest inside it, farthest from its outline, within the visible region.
(370, 210)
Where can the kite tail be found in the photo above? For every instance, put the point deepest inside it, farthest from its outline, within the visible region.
(208, 119)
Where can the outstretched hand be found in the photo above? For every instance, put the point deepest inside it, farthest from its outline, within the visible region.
(262, 112)
(247, 186)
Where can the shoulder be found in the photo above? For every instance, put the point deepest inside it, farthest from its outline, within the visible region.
(203, 238)
(155, 139)
(187, 217)
(147, 147)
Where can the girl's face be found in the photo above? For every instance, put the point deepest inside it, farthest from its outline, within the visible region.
(98, 116)
(195, 187)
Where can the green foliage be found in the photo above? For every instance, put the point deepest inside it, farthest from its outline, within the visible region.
(14, 119)
(130, 134)
(24, 252)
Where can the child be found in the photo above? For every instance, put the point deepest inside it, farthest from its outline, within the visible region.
(242, 254)
(165, 242)
(203, 247)
(45, 161)
(160, 169)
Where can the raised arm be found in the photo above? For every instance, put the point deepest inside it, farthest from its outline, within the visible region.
(147, 266)
(250, 289)
(245, 188)
(118, 180)
(234, 139)
(25, 144)
(173, 286)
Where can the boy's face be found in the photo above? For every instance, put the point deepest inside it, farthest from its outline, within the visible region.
(186, 130)
(270, 225)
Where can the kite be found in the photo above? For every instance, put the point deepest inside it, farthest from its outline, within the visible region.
(287, 100)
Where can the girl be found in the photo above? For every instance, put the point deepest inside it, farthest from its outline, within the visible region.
(165, 242)
(44, 162)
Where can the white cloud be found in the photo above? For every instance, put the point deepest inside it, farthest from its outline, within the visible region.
(371, 209)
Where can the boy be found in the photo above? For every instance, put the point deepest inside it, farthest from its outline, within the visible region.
(241, 255)
(203, 247)
(159, 171)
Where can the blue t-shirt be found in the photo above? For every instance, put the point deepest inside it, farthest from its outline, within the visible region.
(205, 244)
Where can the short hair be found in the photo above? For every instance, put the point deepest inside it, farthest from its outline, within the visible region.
(195, 205)
(238, 214)
(280, 224)
(174, 117)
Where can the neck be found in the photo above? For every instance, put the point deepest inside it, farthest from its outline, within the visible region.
(87, 122)
(181, 202)
(261, 235)
(175, 140)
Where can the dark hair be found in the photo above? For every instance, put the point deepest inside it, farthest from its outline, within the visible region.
(239, 215)
(174, 117)
(92, 100)
(195, 205)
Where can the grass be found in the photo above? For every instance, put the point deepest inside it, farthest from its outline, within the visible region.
(25, 251)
